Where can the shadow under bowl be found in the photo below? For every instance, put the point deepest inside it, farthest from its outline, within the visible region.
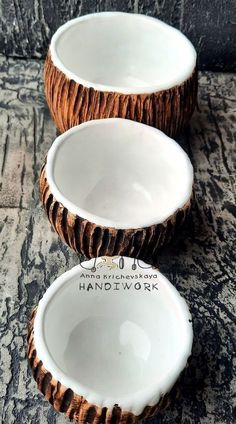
(116, 187)
(115, 64)
(95, 356)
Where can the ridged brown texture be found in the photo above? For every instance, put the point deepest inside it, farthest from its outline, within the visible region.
(93, 240)
(71, 103)
(76, 407)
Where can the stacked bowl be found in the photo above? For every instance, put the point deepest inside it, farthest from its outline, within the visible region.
(115, 187)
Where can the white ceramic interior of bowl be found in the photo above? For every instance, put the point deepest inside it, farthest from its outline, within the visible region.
(122, 52)
(119, 173)
(123, 347)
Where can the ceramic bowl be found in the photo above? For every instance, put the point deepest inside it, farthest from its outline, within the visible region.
(116, 187)
(115, 64)
(109, 354)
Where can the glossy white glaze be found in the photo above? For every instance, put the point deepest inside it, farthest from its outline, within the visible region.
(119, 173)
(122, 52)
(114, 345)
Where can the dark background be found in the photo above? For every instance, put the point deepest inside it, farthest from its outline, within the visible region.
(26, 26)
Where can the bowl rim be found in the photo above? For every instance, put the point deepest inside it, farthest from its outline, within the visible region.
(133, 402)
(96, 219)
(117, 89)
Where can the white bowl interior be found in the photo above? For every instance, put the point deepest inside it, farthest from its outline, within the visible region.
(123, 52)
(114, 346)
(119, 173)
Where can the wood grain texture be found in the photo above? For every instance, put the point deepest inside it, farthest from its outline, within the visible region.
(71, 103)
(200, 262)
(27, 26)
(76, 407)
(92, 240)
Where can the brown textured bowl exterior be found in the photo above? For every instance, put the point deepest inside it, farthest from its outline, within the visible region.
(71, 103)
(76, 407)
(93, 240)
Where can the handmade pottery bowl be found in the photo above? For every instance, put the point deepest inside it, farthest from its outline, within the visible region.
(115, 186)
(113, 354)
(114, 64)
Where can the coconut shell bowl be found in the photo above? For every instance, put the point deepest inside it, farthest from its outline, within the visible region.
(115, 64)
(116, 187)
(94, 356)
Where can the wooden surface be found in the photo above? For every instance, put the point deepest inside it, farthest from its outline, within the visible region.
(26, 26)
(201, 262)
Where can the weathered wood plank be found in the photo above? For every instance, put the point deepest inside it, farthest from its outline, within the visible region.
(201, 262)
(26, 26)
